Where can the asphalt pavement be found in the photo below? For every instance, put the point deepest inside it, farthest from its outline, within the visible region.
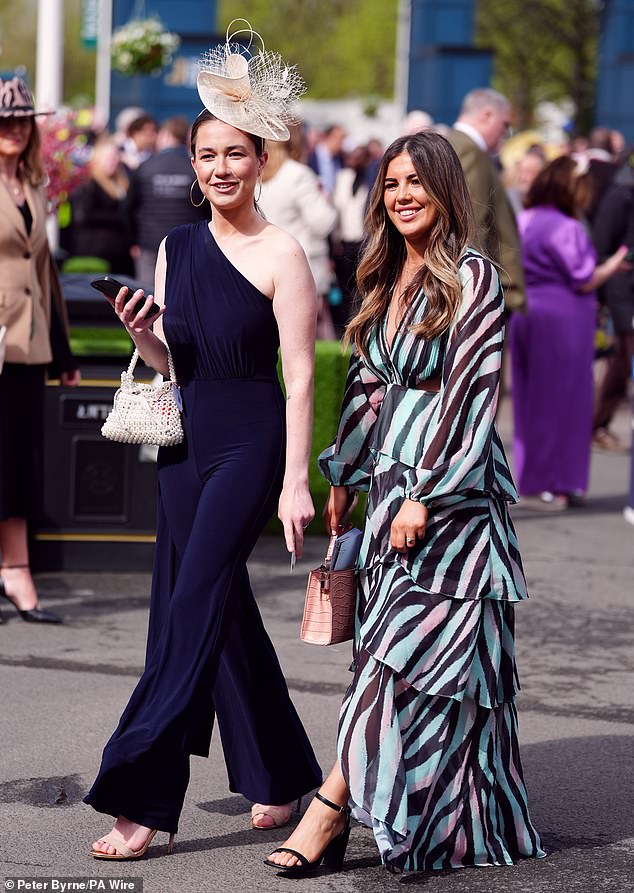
(62, 690)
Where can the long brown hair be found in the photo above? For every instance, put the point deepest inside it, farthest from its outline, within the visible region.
(440, 173)
(30, 163)
(560, 185)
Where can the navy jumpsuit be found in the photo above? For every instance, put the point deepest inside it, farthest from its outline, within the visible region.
(208, 652)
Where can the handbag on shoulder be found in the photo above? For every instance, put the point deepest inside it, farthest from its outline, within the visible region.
(329, 609)
(145, 413)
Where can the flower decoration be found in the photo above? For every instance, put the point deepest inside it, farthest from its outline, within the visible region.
(142, 46)
(64, 155)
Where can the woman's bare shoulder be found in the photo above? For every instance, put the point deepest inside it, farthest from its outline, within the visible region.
(279, 241)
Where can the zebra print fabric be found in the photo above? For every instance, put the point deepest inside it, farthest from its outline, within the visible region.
(428, 730)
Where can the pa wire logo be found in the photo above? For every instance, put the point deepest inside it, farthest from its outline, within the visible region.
(73, 884)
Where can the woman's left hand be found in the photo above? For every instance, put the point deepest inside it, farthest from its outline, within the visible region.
(295, 511)
(125, 308)
(408, 525)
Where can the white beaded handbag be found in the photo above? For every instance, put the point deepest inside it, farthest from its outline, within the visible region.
(145, 413)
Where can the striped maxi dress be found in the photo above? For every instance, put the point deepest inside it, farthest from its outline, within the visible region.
(428, 739)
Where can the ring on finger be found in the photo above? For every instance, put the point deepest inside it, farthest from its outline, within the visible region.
(410, 540)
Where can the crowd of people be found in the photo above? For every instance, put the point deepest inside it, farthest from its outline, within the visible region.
(316, 186)
(419, 256)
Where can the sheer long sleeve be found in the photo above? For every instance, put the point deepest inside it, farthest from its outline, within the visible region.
(459, 453)
(348, 461)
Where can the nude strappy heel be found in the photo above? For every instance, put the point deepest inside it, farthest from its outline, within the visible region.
(124, 852)
(280, 815)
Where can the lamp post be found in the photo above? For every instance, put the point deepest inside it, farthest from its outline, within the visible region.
(50, 41)
(102, 77)
(403, 38)
(48, 73)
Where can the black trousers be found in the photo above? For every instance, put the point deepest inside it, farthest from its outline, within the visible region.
(22, 391)
(613, 387)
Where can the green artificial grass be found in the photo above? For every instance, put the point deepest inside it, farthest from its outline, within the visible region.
(87, 342)
(84, 264)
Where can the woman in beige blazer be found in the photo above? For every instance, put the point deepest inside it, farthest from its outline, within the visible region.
(32, 309)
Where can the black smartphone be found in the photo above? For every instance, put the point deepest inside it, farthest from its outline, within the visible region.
(629, 257)
(111, 287)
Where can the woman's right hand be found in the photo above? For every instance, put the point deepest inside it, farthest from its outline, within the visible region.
(620, 261)
(616, 263)
(124, 308)
(338, 506)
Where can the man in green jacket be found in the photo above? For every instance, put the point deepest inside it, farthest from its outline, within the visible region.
(478, 133)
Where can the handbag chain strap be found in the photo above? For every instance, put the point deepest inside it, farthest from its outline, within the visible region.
(170, 364)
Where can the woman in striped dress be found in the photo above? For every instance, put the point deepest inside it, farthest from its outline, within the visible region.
(428, 753)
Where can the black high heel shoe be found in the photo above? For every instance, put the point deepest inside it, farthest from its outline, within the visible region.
(32, 615)
(332, 856)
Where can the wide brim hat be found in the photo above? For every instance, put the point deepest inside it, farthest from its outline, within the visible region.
(253, 91)
(16, 100)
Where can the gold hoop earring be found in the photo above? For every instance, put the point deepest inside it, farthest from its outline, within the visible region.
(191, 196)
(257, 198)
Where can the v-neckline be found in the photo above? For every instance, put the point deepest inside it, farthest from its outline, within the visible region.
(397, 331)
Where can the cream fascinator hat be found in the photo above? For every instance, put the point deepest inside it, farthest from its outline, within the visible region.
(252, 91)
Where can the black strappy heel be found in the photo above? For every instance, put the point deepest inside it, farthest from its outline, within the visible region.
(332, 856)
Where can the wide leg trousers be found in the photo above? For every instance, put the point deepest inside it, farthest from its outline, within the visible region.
(208, 652)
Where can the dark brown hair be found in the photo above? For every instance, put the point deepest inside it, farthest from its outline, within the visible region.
(559, 185)
(139, 123)
(206, 116)
(178, 129)
(440, 173)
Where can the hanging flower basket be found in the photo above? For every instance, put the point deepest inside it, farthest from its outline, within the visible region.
(143, 46)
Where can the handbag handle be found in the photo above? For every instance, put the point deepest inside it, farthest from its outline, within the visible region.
(331, 546)
(344, 521)
(170, 364)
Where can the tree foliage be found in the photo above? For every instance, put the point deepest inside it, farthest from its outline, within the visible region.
(18, 35)
(341, 47)
(544, 50)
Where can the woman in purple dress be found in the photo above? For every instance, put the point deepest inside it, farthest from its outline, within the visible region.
(552, 345)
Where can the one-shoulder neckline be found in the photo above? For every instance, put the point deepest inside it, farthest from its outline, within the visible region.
(233, 266)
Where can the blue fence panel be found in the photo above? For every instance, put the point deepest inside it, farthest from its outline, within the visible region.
(615, 86)
(444, 64)
(443, 22)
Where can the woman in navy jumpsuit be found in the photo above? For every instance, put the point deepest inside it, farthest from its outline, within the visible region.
(233, 289)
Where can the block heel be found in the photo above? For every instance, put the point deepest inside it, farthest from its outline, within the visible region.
(332, 856)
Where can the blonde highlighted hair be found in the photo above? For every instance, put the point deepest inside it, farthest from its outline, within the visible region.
(30, 163)
(438, 168)
(115, 185)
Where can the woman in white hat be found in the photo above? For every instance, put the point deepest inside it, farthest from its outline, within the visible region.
(232, 290)
(35, 335)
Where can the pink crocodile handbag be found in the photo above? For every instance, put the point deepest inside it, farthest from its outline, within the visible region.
(330, 604)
